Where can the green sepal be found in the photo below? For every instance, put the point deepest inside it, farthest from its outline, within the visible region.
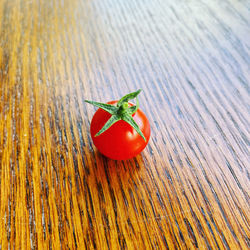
(113, 119)
(122, 111)
(128, 97)
(133, 109)
(129, 119)
(107, 107)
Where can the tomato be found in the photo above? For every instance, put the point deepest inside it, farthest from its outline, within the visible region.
(121, 141)
(119, 129)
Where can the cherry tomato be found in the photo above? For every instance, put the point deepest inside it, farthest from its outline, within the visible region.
(121, 141)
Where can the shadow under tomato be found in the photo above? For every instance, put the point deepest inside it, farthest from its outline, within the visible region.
(129, 164)
(117, 171)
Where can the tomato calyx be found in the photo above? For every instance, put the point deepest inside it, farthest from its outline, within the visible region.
(121, 111)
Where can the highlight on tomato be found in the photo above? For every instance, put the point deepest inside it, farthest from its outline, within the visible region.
(119, 129)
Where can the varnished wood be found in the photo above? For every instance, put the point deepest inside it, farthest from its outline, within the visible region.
(189, 188)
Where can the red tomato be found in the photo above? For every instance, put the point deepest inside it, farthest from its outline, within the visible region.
(121, 141)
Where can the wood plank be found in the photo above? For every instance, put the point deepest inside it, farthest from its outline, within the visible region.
(189, 188)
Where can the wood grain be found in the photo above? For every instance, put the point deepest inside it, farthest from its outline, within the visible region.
(189, 188)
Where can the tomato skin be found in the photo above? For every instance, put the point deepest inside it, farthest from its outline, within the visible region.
(120, 141)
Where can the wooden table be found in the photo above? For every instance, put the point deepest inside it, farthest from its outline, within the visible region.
(189, 188)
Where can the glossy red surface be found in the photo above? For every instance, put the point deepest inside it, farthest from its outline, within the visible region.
(120, 141)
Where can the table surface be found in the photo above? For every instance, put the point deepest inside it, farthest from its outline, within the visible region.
(189, 188)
